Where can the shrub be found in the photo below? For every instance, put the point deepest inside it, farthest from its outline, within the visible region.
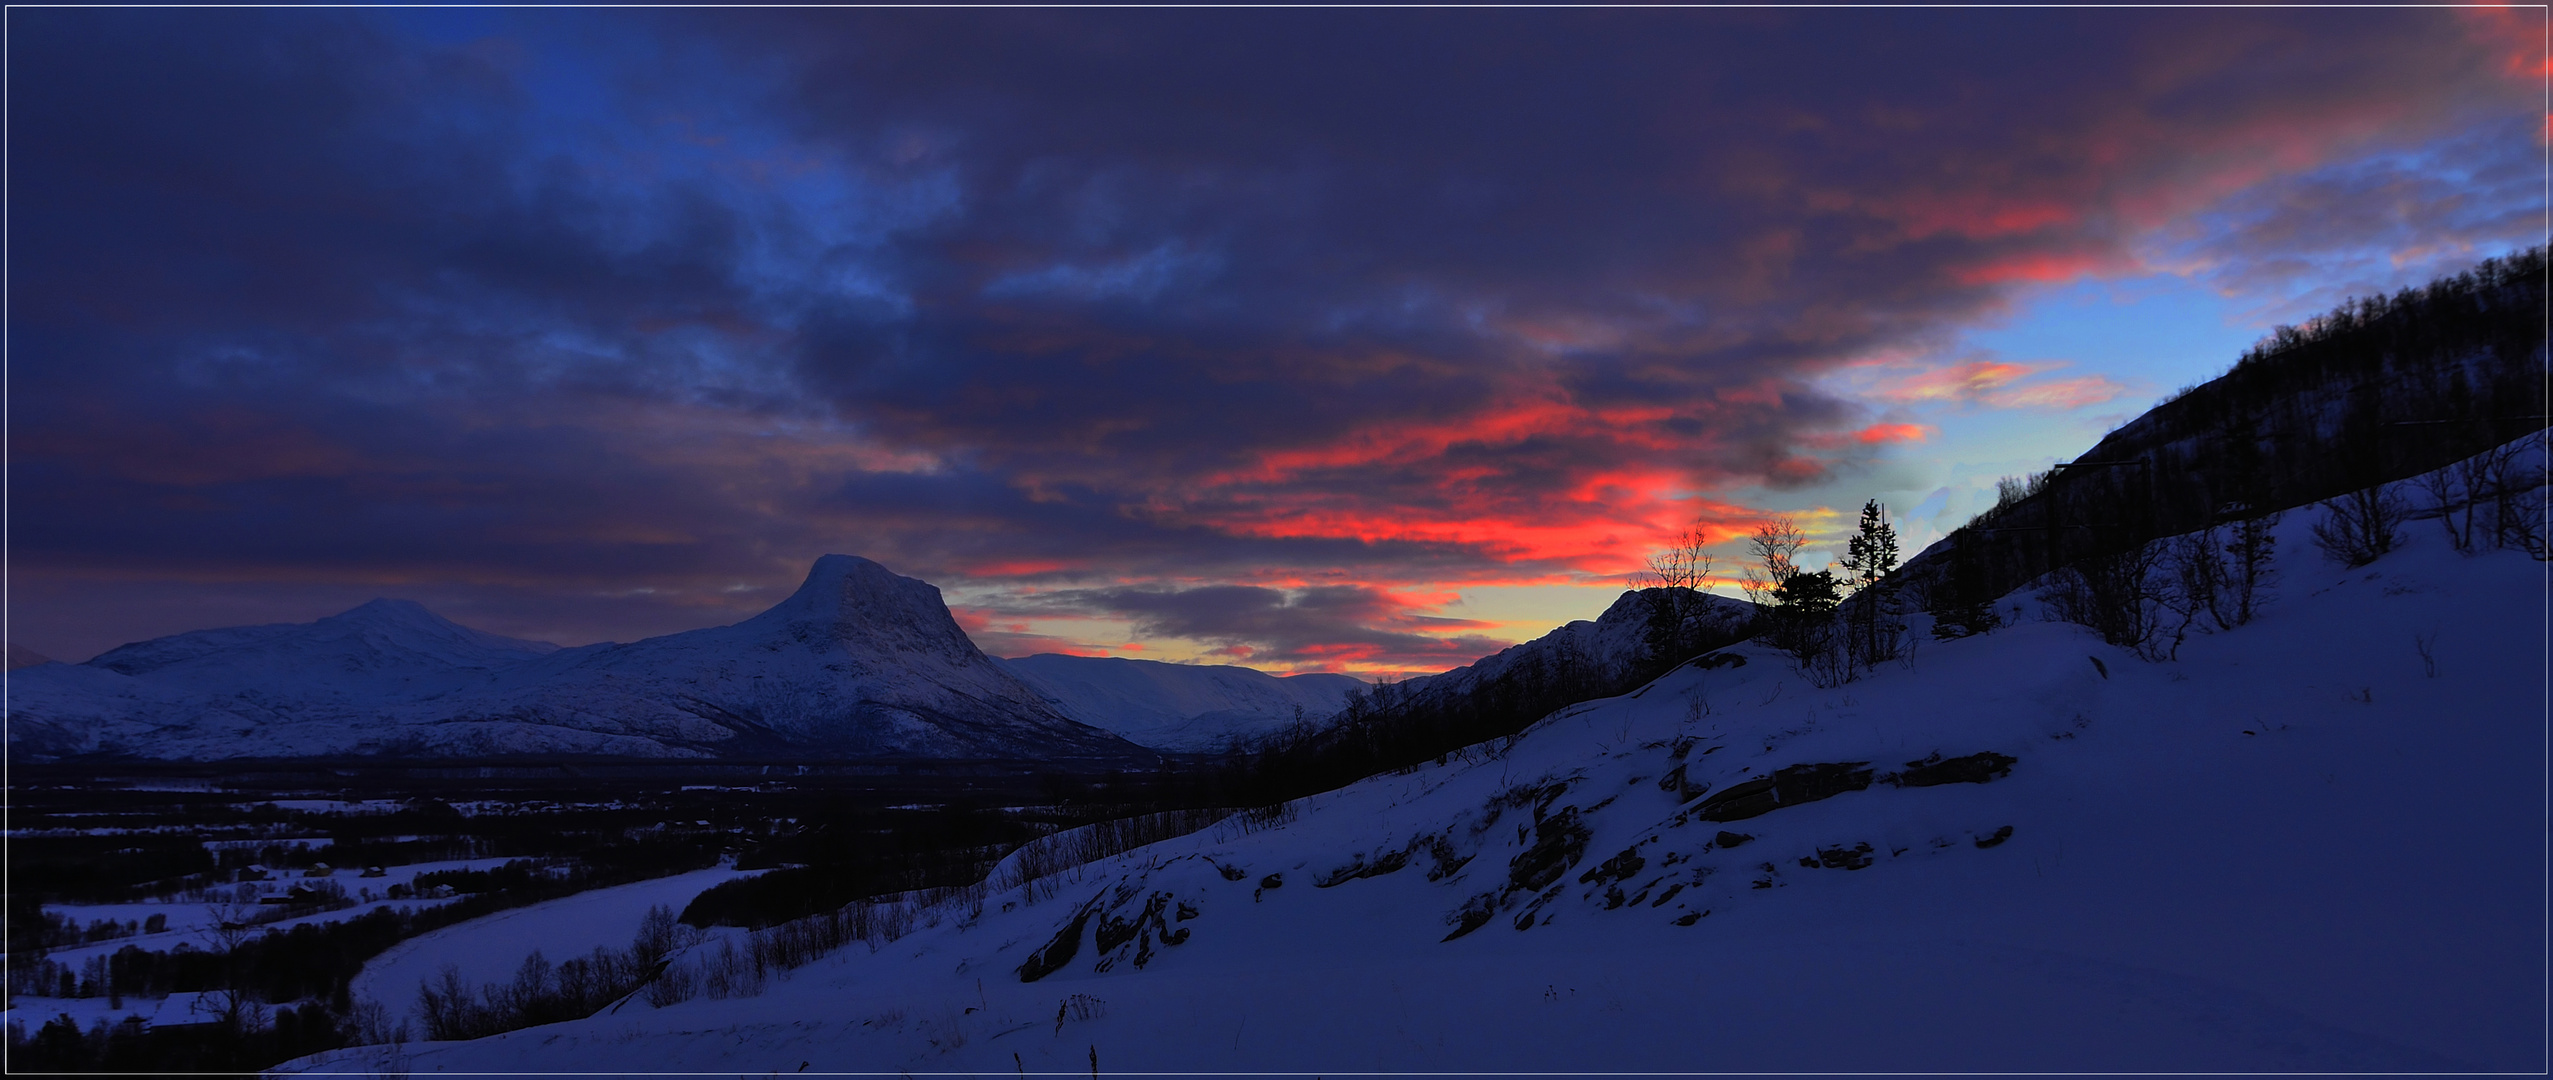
(2360, 527)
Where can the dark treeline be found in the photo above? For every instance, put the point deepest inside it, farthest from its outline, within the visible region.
(2378, 390)
(59, 1046)
(846, 853)
(109, 870)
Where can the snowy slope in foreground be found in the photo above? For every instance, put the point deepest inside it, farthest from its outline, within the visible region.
(2292, 849)
(1181, 706)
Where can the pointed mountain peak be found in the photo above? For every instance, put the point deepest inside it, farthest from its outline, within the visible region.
(841, 585)
(846, 598)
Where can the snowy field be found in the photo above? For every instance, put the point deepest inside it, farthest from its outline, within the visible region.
(190, 921)
(2299, 847)
(489, 948)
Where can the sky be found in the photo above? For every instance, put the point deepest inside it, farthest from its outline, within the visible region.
(1346, 340)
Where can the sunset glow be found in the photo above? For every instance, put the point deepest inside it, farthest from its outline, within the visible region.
(1279, 338)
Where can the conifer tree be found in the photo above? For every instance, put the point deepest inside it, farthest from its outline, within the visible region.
(1870, 555)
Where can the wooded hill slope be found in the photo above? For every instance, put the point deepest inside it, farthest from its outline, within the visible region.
(2377, 390)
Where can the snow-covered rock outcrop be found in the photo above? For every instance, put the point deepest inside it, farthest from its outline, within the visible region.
(859, 662)
(1191, 707)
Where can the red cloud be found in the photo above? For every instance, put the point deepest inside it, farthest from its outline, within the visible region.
(1888, 433)
(2033, 267)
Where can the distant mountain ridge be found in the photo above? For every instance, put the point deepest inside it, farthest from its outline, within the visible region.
(1191, 707)
(858, 663)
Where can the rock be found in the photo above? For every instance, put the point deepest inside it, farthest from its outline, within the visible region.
(1844, 858)
(1739, 801)
(1684, 788)
(1616, 868)
(1473, 915)
(1973, 769)
(1387, 863)
(1688, 918)
(1788, 787)
(1114, 931)
(1448, 861)
(1058, 951)
(2000, 836)
(1559, 841)
(1729, 839)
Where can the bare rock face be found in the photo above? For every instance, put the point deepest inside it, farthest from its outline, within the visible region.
(859, 662)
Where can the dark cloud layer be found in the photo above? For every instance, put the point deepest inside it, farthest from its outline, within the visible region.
(602, 323)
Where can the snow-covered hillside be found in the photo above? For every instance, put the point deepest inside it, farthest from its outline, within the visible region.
(858, 662)
(1607, 646)
(2312, 843)
(1191, 707)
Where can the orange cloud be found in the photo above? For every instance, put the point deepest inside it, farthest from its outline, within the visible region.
(2071, 393)
(1888, 433)
(1020, 567)
(1959, 382)
(1990, 382)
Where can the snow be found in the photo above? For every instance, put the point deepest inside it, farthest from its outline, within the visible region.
(1192, 707)
(857, 662)
(190, 922)
(489, 948)
(2292, 849)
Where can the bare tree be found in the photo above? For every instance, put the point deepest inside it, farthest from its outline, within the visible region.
(2360, 527)
(1775, 546)
(2123, 595)
(1679, 609)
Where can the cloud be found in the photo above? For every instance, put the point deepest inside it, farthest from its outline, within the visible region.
(541, 306)
(1321, 627)
(2297, 245)
(1993, 382)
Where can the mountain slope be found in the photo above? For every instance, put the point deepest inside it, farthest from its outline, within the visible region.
(857, 663)
(1192, 707)
(2298, 847)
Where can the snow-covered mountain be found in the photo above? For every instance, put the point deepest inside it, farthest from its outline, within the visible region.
(382, 649)
(272, 689)
(859, 662)
(20, 656)
(1190, 707)
(1606, 649)
(2311, 843)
